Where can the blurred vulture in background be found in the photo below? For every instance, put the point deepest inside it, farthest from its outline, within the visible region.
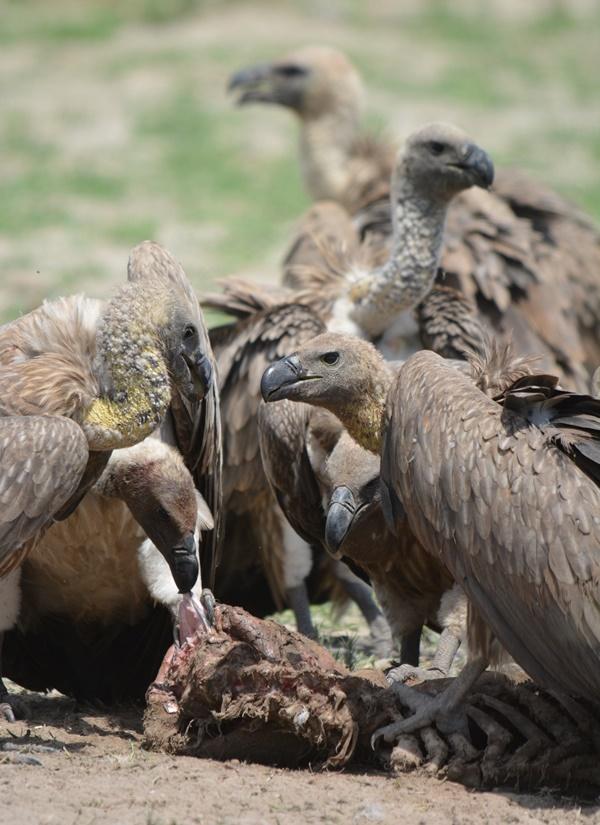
(79, 379)
(529, 259)
(502, 487)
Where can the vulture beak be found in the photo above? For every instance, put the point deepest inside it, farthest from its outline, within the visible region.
(201, 372)
(281, 376)
(479, 164)
(184, 564)
(340, 515)
(254, 83)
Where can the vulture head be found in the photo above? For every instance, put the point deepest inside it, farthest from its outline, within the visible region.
(344, 374)
(313, 82)
(173, 309)
(152, 479)
(439, 160)
(354, 508)
(328, 370)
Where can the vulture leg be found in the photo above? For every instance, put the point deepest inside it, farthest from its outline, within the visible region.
(429, 710)
(297, 599)
(362, 595)
(10, 602)
(410, 650)
(442, 662)
(297, 564)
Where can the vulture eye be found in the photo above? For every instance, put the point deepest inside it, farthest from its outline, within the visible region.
(189, 332)
(290, 70)
(436, 148)
(162, 514)
(330, 358)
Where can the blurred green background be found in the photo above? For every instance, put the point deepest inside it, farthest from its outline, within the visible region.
(115, 125)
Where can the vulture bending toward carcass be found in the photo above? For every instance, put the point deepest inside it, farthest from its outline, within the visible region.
(87, 624)
(503, 490)
(529, 259)
(78, 379)
(259, 540)
(412, 588)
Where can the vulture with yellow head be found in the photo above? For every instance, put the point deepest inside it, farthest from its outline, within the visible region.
(79, 379)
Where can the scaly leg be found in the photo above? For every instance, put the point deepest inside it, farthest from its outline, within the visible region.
(429, 710)
(10, 603)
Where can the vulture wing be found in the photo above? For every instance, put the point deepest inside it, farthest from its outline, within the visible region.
(43, 459)
(284, 445)
(511, 514)
(194, 428)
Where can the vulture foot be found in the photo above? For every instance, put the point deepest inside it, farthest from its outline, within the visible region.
(408, 673)
(443, 710)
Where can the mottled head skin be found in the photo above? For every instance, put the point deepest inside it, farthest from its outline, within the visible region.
(148, 339)
(152, 479)
(344, 374)
(437, 163)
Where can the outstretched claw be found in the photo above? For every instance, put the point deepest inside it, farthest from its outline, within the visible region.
(408, 673)
(440, 710)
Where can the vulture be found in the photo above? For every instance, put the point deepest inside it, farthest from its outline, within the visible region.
(412, 588)
(78, 380)
(259, 539)
(374, 294)
(376, 299)
(529, 259)
(501, 486)
(108, 645)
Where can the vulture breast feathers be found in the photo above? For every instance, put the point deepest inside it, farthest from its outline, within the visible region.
(91, 378)
(506, 492)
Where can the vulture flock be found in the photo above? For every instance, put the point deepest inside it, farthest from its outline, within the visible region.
(405, 421)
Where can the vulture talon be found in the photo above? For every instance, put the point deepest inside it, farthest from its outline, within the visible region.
(408, 673)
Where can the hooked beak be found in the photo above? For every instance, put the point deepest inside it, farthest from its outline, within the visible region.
(254, 82)
(479, 164)
(184, 564)
(201, 372)
(340, 515)
(281, 376)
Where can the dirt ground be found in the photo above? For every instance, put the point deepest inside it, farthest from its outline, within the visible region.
(92, 769)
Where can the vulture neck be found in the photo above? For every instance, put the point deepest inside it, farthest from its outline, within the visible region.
(326, 144)
(132, 369)
(407, 277)
(364, 421)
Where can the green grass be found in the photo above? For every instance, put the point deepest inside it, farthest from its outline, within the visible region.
(116, 125)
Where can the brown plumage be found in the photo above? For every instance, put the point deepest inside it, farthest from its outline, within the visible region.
(91, 378)
(412, 588)
(525, 256)
(370, 290)
(503, 491)
(113, 373)
(95, 577)
(243, 350)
